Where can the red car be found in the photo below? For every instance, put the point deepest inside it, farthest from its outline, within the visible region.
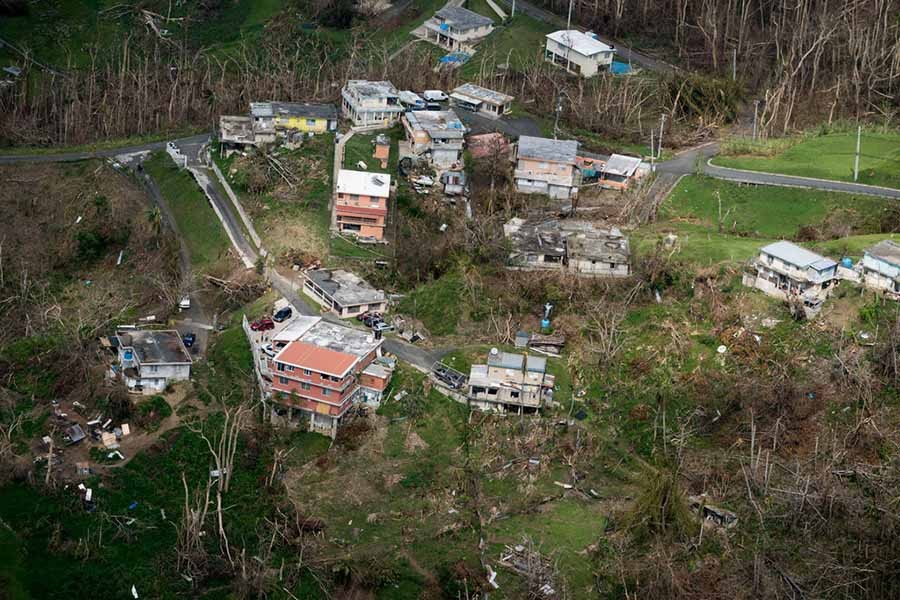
(263, 324)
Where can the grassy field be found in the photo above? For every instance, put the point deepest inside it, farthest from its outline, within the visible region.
(822, 156)
(197, 221)
(752, 217)
(519, 41)
(436, 304)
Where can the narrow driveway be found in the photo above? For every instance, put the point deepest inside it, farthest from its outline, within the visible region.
(88, 154)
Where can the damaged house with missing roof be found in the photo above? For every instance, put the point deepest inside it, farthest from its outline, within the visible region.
(516, 383)
(148, 361)
(576, 247)
(343, 293)
(786, 271)
(270, 122)
(880, 268)
(436, 135)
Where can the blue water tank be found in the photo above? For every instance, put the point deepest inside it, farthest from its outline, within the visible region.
(129, 355)
(545, 323)
(846, 263)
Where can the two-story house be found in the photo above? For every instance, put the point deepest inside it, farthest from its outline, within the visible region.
(881, 268)
(371, 103)
(148, 361)
(288, 117)
(360, 203)
(316, 376)
(457, 28)
(510, 383)
(439, 135)
(579, 53)
(545, 166)
(787, 271)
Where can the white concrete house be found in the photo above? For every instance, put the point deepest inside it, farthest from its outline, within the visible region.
(150, 360)
(881, 267)
(787, 271)
(549, 167)
(438, 135)
(371, 103)
(579, 53)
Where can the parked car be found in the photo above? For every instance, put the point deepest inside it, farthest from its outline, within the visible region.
(382, 326)
(433, 106)
(435, 96)
(263, 324)
(370, 318)
(184, 303)
(189, 339)
(281, 315)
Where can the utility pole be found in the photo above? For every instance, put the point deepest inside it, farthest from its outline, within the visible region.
(662, 124)
(513, 9)
(652, 149)
(856, 160)
(569, 20)
(734, 65)
(558, 110)
(755, 116)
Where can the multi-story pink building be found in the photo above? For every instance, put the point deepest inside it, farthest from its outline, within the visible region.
(360, 203)
(316, 376)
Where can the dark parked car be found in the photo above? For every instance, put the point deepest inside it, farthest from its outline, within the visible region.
(448, 375)
(189, 339)
(370, 318)
(263, 324)
(433, 106)
(281, 315)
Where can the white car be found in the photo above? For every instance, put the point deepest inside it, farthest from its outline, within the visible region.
(184, 303)
(435, 95)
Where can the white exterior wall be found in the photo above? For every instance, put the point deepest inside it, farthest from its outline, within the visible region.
(589, 65)
(880, 275)
(599, 268)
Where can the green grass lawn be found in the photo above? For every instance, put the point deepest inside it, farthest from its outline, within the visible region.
(756, 215)
(824, 156)
(436, 304)
(197, 221)
(518, 42)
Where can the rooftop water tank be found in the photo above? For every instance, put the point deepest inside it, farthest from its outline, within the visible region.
(846, 263)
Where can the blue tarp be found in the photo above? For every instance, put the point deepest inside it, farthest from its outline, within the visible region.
(620, 68)
(455, 57)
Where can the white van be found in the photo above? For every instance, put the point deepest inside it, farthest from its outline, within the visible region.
(434, 95)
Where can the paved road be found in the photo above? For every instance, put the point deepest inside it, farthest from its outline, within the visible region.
(513, 127)
(698, 159)
(87, 154)
(624, 54)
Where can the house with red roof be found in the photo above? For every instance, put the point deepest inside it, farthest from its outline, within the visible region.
(317, 374)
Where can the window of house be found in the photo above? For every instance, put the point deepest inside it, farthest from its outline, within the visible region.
(280, 366)
(514, 394)
(477, 390)
(325, 391)
(283, 380)
(492, 391)
(307, 372)
(289, 368)
(612, 265)
(310, 122)
(304, 385)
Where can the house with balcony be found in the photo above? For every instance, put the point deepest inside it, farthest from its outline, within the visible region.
(343, 293)
(371, 103)
(570, 246)
(149, 360)
(360, 203)
(880, 268)
(786, 271)
(510, 383)
(479, 99)
(548, 167)
(436, 135)
(456, 28)
(578, 53)
(317, 376)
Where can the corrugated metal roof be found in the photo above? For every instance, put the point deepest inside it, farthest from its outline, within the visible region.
(619, 164)
(482, 94)
(797, 256)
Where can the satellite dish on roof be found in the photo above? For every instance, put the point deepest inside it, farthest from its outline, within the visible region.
(494, 352)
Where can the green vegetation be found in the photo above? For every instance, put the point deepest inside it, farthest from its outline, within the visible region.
(150, 413)
(825, 156)
(753, 216)
(520, 41)
(196, 219)
(436, 304)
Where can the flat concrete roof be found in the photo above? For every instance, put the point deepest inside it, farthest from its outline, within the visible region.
(155, 347)
(293, 109)
(347, 289)
(364, 183)
(372, 89)
(580, 42)
(341, 338)
(886, 250)
(441, 124)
